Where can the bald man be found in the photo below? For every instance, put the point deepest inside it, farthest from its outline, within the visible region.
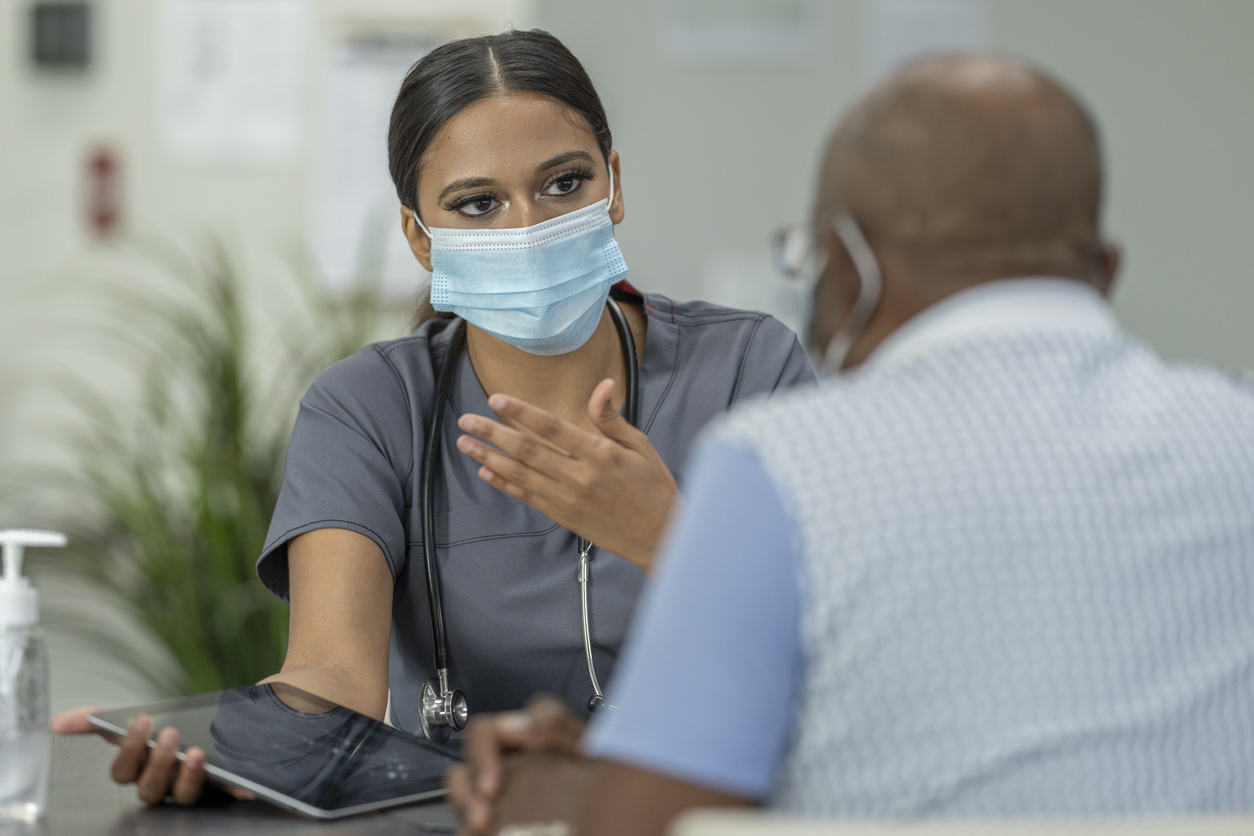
(1002, 565)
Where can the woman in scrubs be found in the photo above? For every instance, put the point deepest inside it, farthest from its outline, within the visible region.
(495, 133)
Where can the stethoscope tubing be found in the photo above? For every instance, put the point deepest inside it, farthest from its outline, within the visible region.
(430, 455)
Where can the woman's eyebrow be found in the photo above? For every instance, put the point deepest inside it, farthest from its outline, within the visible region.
(465, 183)
(560, 159)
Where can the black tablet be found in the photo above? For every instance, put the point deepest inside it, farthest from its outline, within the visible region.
(326, 766)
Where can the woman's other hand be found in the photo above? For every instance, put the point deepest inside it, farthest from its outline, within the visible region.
(611, 487)
(156, 772)
(546, 728)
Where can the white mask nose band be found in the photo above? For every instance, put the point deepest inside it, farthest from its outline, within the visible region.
(423, 226)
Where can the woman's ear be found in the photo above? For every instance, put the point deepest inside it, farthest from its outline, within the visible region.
(419, 243)
(616, 205)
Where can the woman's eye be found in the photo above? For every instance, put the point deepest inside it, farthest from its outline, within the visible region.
(477, 206)
(564, 185)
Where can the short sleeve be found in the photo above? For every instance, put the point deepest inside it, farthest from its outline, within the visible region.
(718, 636)
(774, 361)
(347, 463)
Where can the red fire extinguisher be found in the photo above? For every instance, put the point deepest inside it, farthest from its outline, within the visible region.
(103, 192)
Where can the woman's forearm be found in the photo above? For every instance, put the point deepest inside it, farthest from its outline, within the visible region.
(319, 688)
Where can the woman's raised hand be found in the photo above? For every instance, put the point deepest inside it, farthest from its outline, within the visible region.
(609, 487)
(156, 772)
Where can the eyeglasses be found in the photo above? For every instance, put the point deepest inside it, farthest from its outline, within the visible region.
(795, 255)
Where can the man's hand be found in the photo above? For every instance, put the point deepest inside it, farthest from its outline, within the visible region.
(548, 735)
(611, 487)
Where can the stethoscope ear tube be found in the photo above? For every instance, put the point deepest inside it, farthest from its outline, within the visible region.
(630, 360)
(443, 711)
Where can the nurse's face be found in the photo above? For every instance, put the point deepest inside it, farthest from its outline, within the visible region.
(507, 162)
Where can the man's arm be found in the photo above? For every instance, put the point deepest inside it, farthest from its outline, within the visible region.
(705, 689)
(628, 801)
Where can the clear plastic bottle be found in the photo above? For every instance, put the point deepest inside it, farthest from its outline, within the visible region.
(25, 740)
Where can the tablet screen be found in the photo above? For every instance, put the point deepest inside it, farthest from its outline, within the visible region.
(337, 761)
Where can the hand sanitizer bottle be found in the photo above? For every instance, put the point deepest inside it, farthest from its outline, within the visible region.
(25, 741)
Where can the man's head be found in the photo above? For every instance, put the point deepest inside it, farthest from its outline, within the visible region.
(959, 169)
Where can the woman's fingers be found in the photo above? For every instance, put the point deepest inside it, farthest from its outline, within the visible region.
(159, 773)
(611, 487)
(519, 445)
(544, 424)
(132, 752)
(74, 721)
(190, 779)
(511, 469)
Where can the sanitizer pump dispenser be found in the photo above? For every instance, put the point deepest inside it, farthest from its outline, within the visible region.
(25, 740)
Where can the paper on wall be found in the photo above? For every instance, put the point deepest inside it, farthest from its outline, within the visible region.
(741, 31)
(229, 74)
(359, 214)
(896, 31)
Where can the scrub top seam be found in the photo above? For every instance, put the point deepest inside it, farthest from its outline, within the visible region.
(650, 298)
(715, 318)
(488, 537)
(679, 336)
(780, 379)
(381, 448)
(744, 358)
(409, 413)
(310, 526)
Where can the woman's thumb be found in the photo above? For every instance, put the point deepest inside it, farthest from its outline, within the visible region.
(605, 416)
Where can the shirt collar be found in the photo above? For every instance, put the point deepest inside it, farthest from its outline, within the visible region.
(1005, 306)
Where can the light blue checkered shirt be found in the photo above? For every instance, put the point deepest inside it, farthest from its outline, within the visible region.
(1022, 553)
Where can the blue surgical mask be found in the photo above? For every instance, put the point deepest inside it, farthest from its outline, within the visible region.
(540, 288)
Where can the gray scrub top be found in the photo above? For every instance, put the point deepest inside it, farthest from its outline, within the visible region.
(508, 572)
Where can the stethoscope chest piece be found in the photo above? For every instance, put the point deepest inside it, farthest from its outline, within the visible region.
(444, 711)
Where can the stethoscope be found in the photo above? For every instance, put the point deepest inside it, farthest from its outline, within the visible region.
(445, 710)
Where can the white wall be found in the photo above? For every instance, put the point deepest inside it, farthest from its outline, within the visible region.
(49, 264)
(715, 158)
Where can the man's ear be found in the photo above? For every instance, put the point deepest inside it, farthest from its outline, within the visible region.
(1111, 259)
(616, 205)
(419, 243)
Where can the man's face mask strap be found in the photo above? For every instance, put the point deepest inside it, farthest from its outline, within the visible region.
(870, 288)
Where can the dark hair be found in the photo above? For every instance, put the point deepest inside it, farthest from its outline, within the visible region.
(458, 74)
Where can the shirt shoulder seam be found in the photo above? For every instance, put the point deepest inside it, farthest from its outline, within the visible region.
(744, 359)
(679, 336)
(409, 413)
(282, 538)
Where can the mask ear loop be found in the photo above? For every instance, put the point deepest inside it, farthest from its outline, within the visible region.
(423, 226)
(870, 288)
(418, 221)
